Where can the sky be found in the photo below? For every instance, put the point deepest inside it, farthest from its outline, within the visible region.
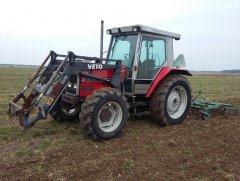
(210, 29)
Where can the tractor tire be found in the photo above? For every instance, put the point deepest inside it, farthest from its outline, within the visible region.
(170, 103)
(64, 112)
(104, 114)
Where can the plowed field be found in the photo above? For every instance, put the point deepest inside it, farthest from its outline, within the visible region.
(194, 150)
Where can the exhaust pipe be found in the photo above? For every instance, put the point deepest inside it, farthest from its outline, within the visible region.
(101, 40)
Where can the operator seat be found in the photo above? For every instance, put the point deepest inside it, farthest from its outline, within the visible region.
(146, 69)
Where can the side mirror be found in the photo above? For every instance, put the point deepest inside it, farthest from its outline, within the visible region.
(179, 62)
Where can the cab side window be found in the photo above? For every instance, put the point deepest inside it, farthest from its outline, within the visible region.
(152, 57)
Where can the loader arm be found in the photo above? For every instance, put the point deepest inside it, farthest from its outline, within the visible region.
(51, 83)
(20, 114)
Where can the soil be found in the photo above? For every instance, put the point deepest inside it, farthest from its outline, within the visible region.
(193, 150)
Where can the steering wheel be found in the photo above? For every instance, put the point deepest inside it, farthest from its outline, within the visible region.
(126, 56)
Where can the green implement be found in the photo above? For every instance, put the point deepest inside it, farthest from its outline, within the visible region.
(206, 107)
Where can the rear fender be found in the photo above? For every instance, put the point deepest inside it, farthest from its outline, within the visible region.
(163, 74)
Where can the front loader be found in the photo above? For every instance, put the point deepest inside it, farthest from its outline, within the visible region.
(138, 76)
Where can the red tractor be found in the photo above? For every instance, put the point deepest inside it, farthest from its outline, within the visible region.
(139, 75)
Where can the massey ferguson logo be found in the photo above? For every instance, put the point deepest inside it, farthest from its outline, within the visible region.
(95, 66)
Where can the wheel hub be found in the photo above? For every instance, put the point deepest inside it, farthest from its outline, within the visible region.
(68, 109)
(177, 102)
(174, 102)
(110, 116)
(107, 115)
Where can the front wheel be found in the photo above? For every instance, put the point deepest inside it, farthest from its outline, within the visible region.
(63, 111)
(104, 113)
(171, 100)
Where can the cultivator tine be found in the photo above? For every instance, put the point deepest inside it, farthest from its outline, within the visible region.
(206, 107)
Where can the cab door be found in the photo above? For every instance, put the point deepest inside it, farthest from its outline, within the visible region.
(151, 58)
(123, 47)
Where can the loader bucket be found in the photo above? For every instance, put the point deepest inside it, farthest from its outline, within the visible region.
(18, 116)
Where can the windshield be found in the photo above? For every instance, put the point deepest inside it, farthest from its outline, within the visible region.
(123, 48)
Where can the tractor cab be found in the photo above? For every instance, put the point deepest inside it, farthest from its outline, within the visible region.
(143, 51)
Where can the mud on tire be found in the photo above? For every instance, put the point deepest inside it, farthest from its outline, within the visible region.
(171, 100)
(104, 114)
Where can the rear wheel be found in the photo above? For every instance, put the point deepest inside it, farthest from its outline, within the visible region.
(104, 114)
(63, 111)
(171, 100)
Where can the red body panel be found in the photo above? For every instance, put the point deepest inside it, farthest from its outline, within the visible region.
(162, 74)
(87, 86)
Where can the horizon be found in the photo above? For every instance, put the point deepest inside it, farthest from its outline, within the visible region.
(33, 66)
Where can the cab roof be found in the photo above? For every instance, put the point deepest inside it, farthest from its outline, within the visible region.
(142, 28)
